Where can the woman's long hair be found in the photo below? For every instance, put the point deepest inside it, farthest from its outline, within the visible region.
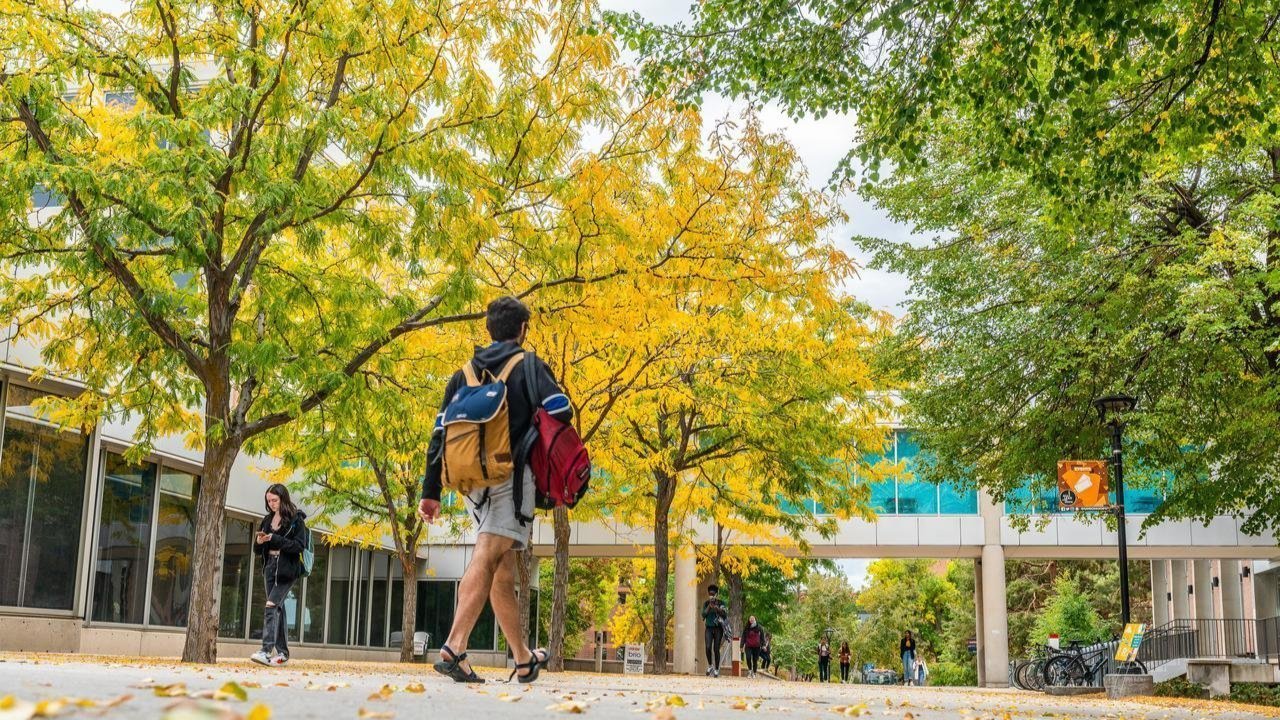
(287, 508)
(844, 646)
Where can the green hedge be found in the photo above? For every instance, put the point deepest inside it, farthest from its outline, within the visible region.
(1252, 693)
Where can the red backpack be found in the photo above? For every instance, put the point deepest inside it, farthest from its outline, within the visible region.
(554, 452)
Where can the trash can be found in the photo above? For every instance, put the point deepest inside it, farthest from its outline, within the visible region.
(420, 642)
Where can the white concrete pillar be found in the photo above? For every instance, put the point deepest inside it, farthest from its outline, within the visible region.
(977, 625)
(1215, 569)
(1236, 631)
(995, 618)
(1248, 598)
(684, 644)
(1203, 573)
(1266, 592)
(1161, 592)
(1181, 582)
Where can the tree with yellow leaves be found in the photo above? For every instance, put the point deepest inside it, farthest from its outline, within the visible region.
(243, 205)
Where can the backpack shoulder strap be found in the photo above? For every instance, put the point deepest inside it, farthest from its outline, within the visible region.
(511, 365)
(469, 373)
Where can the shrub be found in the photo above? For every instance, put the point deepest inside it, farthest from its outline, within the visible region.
(953, 674)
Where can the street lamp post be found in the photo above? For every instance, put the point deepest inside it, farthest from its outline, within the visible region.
(1116, 406)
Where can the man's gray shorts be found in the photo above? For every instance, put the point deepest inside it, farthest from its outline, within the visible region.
(497, 514)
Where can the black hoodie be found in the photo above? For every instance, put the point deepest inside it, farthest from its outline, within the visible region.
(492, 358)
(290, 540)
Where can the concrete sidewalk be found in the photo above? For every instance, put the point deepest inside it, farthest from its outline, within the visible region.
(334, 691)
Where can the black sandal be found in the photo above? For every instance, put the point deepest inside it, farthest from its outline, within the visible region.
(453, 668)
(534, 666)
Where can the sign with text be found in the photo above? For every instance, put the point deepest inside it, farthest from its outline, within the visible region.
(1082, 485)
(1127, 650)
(633, 660)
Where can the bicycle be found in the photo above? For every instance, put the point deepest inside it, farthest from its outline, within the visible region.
(1073, 668)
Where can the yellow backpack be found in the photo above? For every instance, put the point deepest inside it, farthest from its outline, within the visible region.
(477, 431)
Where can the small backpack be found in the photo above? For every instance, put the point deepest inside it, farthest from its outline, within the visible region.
(477, 432)
(555, 454)
(308, 555)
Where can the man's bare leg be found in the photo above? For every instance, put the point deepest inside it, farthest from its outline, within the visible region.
(507, 607)
(474, 590)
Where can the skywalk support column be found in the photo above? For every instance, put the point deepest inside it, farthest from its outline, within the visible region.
(1237, 631)
(1161, 591)
(977, 628)
(994, 640)
(1203, 573)
(684, 645)
(1181, 582)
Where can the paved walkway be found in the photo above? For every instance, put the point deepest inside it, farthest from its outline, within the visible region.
(337, 691)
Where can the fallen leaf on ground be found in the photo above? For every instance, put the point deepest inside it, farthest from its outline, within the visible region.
(568, 706)
(504, 697)
(250, 684)
(415, 687)
(852, 710)
(366, 713)
(174, 690)
(676, 701)
(189, 709)
(259, 712)
(384, 694)
(11, 708)
(231, 691)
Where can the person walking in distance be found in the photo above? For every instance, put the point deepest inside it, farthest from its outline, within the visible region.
(922, 671)
(907, 649)
(845, 655)
(281, 538)
(754, 640)
(714, 616)
(824, 661)
(472, 452)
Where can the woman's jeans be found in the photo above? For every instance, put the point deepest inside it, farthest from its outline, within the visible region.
(275, 626)
(753, 658)
(824, 669)
(908, 667)
(844, 672)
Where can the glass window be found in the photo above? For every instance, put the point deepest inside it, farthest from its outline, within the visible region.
(378, 607)
(395, 623)
(958, 500)
(361, 602)
(915, 497)
(339, 594)
(42, 477)
(883, 492)
(435, 609)
(484, 634)
(313, 611)
(237, 549)
(175, 542)
(124, 540)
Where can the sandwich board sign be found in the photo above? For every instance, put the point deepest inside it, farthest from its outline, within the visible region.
(633, 660)
(1127, 650)
(1082, 485)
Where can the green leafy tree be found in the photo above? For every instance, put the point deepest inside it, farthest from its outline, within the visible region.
(1070, 614)
(255, 200)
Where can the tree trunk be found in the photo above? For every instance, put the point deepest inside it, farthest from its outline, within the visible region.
(409, 606)
(201, 644)
(661, 568)
(524, 579)
(560, 590)
(737, 601)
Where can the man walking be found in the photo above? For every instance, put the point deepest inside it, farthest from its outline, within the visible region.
(714, 616)
(500, 512)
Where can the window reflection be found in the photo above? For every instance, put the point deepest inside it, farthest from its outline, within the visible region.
(237, 549)
(42, 479)
(124, 540)
(175, 542)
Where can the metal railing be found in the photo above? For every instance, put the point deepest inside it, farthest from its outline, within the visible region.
(1214, 638)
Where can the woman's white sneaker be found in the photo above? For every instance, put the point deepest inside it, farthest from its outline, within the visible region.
(279, 659)
(261, 658)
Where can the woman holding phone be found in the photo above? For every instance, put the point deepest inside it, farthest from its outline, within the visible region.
(282, 536)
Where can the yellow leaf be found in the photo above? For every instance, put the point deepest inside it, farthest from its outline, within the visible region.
(259, 712)
(569, 706)
(676, 701)
(366, 713)
(174, 690)
(11, 708)
(231, 691)
(415, 688)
